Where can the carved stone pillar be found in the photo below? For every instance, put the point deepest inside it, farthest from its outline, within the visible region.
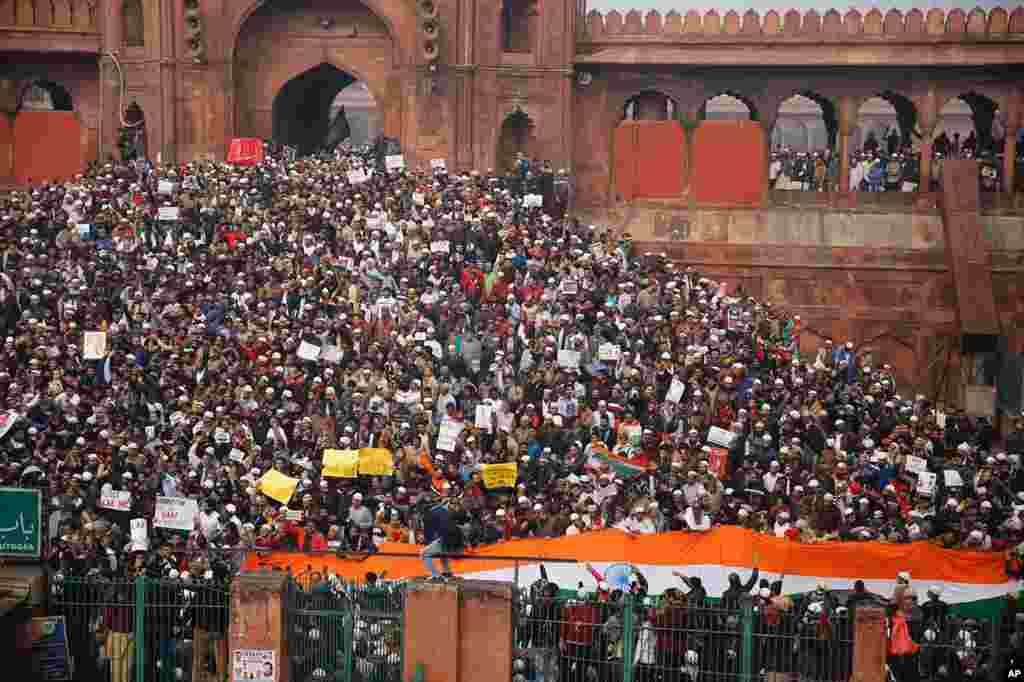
(926, 161)
(767, 122)
(1010, 159)
(110, 85)
(845, 122)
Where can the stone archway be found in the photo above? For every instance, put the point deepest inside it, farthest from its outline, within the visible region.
(302, 109)
(290, 55)
(517, 136)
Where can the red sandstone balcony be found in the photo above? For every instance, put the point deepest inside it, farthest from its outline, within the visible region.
(991, 37)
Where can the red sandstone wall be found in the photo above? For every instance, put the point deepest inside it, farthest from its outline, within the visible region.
(6, 146)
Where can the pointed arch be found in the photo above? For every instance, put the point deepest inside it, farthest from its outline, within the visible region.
(886, 121)
(728, 105)
(301, 111)
(650, 105)
(971, 124)
(44, 95)
(517, 135)
(818, 115)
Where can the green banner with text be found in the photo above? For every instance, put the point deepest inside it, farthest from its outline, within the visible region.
(21, 523)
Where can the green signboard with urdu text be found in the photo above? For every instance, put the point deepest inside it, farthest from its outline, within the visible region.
(21, 523)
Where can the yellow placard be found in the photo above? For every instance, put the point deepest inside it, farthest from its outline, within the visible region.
(376, 462)
(277, 486)
(500, 475)
(341, 463)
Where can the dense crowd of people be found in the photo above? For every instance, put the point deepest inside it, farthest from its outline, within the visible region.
(457, 321)
(888, 165)
(206, 331)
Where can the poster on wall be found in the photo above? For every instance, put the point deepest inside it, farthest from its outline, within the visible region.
(254, 665)
(48, 641)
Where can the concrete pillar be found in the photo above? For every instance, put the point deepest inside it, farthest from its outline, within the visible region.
(258, 619)
(1009, 160)
(459, 632)
(869, 645)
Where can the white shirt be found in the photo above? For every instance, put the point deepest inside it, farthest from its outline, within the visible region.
(633, 525)
(690, 519)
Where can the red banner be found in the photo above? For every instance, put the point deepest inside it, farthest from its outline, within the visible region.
(718, 463)
(246, 151)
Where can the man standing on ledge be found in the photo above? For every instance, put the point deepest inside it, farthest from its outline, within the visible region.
(442, 535)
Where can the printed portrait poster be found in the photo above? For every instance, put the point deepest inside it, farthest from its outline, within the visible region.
(254, 665)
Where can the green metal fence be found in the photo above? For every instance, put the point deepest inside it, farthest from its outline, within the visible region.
(650, 639)
(344, 632)
(144, 630)
(149, 630)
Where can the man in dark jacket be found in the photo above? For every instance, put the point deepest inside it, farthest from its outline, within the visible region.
(442, 536)
(733, 594)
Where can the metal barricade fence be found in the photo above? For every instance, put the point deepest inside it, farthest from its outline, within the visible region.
(958, 649)
(144, 630)
(100, 621)
(808, 642)
(344, 632)
(652, 640)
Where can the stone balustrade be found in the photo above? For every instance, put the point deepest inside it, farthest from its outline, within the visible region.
(997, 24)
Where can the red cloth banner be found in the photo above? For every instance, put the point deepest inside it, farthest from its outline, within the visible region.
(47, 146)
(730, 163)
(246, 151)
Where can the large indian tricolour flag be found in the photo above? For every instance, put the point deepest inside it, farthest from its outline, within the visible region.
(973, 582)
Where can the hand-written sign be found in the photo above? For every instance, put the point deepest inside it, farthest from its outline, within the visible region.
(500, 475)
(926, 482)
(341, 463)
(448, 435)
(175, 513)
(94, 345)
(916, 465)
(116, 500)
(376, 462)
